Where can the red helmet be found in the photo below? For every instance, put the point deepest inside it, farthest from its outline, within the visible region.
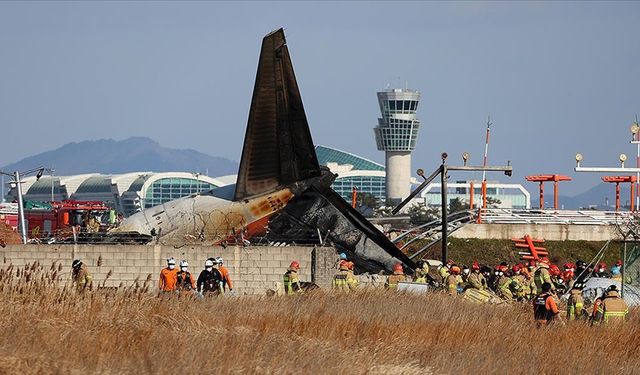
(545, 261)
(475, 265)
(516, 268)
(619, 263)
(532, 263)
(295, 265)
(397, 267)
(344, 264)
(554, 270)
(455, 270)
(602, 265)
(568, 266)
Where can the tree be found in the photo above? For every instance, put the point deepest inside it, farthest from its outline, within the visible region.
(419, 213)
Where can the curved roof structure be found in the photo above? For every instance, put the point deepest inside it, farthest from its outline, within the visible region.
(332, 155)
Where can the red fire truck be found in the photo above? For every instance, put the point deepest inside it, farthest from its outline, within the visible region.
(50, 218)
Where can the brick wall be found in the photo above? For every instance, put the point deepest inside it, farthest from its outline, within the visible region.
(253, 269)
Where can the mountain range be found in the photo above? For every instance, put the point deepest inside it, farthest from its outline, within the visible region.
(135, 154)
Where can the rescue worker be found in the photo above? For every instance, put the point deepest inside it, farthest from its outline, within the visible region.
(344, 280)
(422, 272)
(465, 275)
(575, 304)
(616, 271)
(210, 280)
(168, 277)
(519, 284)
(542, 275)
(581, 272)
(504, 284)
(545, 309)
(613, 309)
(444, 273)
(476, 279)
(567, 276)
(601, 271)
(291, 280)
(453, 280)
(224, 272)
(81, 277)
(184, 279)
(396, 277)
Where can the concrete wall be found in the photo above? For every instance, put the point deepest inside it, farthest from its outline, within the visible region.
(398, 174)
(551, 232)
(253, 269)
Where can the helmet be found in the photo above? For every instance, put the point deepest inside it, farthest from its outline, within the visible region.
(171, 260)
(532, 263)
(577, 285)
(343, 256)
(619, 263)
(475, 265)
(208, 263)
(554, 270)
(516, 268)
(397, 267)
(219, 260)
(602, 265)
(545, 260)
(295, 265)
(612, 288)
(455, 270)
(184, 263)
(344, 265)
(77, 263)
(581, 263)
(568, 266)
(350, 265)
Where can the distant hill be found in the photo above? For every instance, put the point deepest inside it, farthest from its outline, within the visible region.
(130, 155)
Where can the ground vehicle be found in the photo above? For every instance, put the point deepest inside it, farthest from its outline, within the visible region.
(47, 219)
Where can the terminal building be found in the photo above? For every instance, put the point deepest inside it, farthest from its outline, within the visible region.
(396, 135)
(126, 193)
(510, 196)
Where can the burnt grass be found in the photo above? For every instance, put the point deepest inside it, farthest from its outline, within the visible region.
(47, 327)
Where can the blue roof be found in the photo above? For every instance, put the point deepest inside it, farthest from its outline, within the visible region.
(332, 155)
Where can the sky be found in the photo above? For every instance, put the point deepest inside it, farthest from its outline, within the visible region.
(556, 77)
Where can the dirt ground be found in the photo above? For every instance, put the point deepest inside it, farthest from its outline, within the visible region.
(8, 236)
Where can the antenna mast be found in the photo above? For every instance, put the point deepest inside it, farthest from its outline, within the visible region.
(486, 156)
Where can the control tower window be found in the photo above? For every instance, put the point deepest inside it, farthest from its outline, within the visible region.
(407, 105)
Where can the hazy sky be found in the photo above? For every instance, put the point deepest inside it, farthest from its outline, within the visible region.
(556, 78)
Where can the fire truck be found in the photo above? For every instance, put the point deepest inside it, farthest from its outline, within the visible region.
(9, 214)
(52, 217)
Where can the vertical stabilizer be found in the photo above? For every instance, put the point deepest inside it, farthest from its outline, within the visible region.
(278, 149)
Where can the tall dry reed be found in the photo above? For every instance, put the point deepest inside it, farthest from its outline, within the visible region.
(47, 327)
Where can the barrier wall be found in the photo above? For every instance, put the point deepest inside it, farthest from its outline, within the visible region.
(253, 270)
(551, 232)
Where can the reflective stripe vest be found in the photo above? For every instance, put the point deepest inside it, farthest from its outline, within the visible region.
(290, 279)
(613, 308)
(575, 305)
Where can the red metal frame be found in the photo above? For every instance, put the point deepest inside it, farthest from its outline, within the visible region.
(555, 178)
(535, 252)
(624, 179)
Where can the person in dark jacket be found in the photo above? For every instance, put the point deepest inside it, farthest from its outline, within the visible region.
(210, 280)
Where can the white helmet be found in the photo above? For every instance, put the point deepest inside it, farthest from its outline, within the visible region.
(171, 261)
(184, 263)
(208, 263)
(219, 260)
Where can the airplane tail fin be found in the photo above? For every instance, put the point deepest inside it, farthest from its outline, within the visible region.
(278, 149)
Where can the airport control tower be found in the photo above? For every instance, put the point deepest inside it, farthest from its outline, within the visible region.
(396, 135)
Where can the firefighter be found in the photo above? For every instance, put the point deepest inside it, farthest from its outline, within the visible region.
(443, 271)
(422, 272)
(616, 271)
(542, 275)
(344, 280)
(519, 284)
(184, 279)
(575, 304)
(224, 272)
(168, 277)
(503, 284)
(545, 309)
(81, 277)
(291, 280)
(601, 271)
(396, 277)
(453, 280)
(613, 309)
(476, 279)
(210, 280)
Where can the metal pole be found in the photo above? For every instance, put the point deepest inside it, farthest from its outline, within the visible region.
(2, 197)
(52, 170)
(443, 196)
(624, 265)
(23, 227)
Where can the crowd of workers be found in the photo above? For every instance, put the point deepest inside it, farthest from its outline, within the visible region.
(540, 282)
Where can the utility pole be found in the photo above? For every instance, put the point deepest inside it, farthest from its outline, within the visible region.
(16, 179)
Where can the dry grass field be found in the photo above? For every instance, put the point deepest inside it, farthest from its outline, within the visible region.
(45, 328)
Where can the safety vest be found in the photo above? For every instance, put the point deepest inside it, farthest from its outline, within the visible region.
(574, 306)
(613, 308)
(184, 280)
(540, 311)
(289, 279)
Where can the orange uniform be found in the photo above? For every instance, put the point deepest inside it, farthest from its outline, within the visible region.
(226, 278)
(168, 280)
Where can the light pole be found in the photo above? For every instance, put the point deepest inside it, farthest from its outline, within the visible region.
(635, 139)
(51, 172)
(16, 180)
